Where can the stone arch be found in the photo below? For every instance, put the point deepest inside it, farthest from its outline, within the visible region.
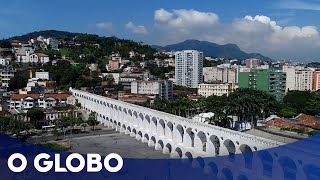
(146, 123)
(227, 173)
(152, 141)
(145, 138)
(179, 133)
(189, 138)
(178, 153)
(230, 146)
(161, 128)
(247, 155)
(129, 129)
(267, 162)
(289, 167)
(169, 130)
(159, 145)
(189, 156)
(130, 112)
(139, 135)
(134, 133)
(212, 168)
(167, 149)
(201, 141)
(214, 145)
(153, 125)
(199, 163)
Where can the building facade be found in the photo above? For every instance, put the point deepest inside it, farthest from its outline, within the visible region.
(189, 68)
(267, 80)
(28, 101)
(207, 90)
(223, 73)
(162, 88)
(6, 74)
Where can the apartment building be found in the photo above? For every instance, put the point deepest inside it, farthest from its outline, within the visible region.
(189, 68)
(161, 88)
(207, 90)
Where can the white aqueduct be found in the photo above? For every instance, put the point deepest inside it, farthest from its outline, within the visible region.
(184, 138)
(174, 135)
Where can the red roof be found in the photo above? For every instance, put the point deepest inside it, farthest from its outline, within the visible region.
(41, 55)
(23, 96)
(307, 120)
(37, 96)
(58, 96)
(280, 123)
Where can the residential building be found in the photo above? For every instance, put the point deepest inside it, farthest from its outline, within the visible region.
(26, 55)
(268, 80)
(161, 88)
(207, 90)
(42, 75)
(53, 43)
(253, 63)
(316, 80)
(28, 101)
(291, 77)
(223, 73)
(4, 61)
(303, 79)
(189, 68)
(6, 74)
(114, 62)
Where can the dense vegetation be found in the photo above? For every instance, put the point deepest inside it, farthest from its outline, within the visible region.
(296, 102)
(247, 104)
(46, 33)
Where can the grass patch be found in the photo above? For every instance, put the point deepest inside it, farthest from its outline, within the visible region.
(55, 146)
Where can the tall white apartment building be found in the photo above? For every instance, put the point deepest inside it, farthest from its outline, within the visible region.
(162, 89)
(189, 68)
(291, 77)
(299, 78)
(303, 79)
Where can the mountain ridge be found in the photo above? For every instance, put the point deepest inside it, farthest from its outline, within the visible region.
(230, 51)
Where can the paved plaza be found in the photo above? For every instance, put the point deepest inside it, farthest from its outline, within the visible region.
(124, 145)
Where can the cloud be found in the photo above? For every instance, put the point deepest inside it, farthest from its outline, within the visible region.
(136, 29)
(257, 33)
(105, 26)
(185, 20)
(299, 5)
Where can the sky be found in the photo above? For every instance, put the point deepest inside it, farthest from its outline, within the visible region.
(280, 29)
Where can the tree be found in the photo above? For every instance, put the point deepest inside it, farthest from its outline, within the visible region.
(35, 114)
(92, 120)
(17, 82)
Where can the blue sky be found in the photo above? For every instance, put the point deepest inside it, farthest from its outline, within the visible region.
(255, 25)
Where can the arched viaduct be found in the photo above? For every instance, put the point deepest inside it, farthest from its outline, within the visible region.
(192, 141)
(174, 135)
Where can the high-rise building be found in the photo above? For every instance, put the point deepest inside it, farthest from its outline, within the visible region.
(270, 81)
(303, 79)
(162, 89)
(189, 68)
